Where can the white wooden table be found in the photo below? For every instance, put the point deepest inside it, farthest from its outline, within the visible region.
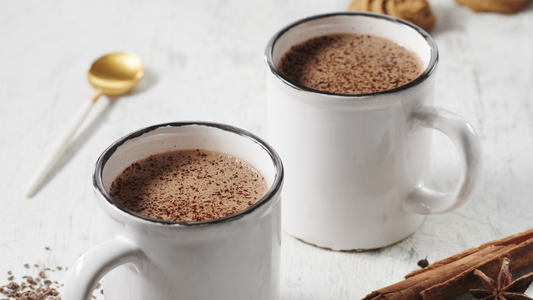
(204, 61)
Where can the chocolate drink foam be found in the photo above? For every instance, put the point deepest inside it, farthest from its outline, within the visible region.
(350, 64)
(188, 185)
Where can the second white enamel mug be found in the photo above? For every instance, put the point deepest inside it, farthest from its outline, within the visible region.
(355, 163)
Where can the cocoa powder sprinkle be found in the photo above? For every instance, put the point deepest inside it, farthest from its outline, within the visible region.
(177, 185)
(350, 64)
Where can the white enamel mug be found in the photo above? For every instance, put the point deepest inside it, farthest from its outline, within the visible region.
(355, 163)
(235, 257)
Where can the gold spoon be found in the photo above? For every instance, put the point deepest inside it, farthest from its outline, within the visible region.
(111, 74)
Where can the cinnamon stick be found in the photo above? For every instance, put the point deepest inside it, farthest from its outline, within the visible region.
(454, 275)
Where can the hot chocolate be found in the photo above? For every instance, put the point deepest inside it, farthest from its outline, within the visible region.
(350, 64)
(188, 185)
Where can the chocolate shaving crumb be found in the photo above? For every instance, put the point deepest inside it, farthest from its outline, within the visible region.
(10, 278)
(13, 286)
(27, 266)
(423, 263)
(42, 274)
(30, 280)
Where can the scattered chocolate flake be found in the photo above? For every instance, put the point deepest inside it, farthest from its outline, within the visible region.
(423, 263)
(30, 289)
(9, 273)
(102, 291)
(36, 265)
(13, 286)
(10, 278)
(26, 266)
(47, 248)
(30, 280)
(59, 268)
(97, 286)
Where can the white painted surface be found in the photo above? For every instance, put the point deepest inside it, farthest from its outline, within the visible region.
(204, 61)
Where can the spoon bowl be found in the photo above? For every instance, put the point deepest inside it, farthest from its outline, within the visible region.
(116, 73)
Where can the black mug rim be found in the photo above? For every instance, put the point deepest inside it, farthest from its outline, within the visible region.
(272, 193)
(432, 65)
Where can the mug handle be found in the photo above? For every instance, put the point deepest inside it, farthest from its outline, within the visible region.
(96, 262)
(425, 201)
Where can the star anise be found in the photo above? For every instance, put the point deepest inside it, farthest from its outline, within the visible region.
(502, 288)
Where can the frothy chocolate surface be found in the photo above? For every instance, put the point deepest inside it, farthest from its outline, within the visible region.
(350, 64)
(188, 185)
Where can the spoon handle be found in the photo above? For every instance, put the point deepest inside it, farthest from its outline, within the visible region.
(60, 146)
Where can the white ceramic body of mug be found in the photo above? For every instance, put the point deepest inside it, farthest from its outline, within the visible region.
(235, 257)
(355, 163)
